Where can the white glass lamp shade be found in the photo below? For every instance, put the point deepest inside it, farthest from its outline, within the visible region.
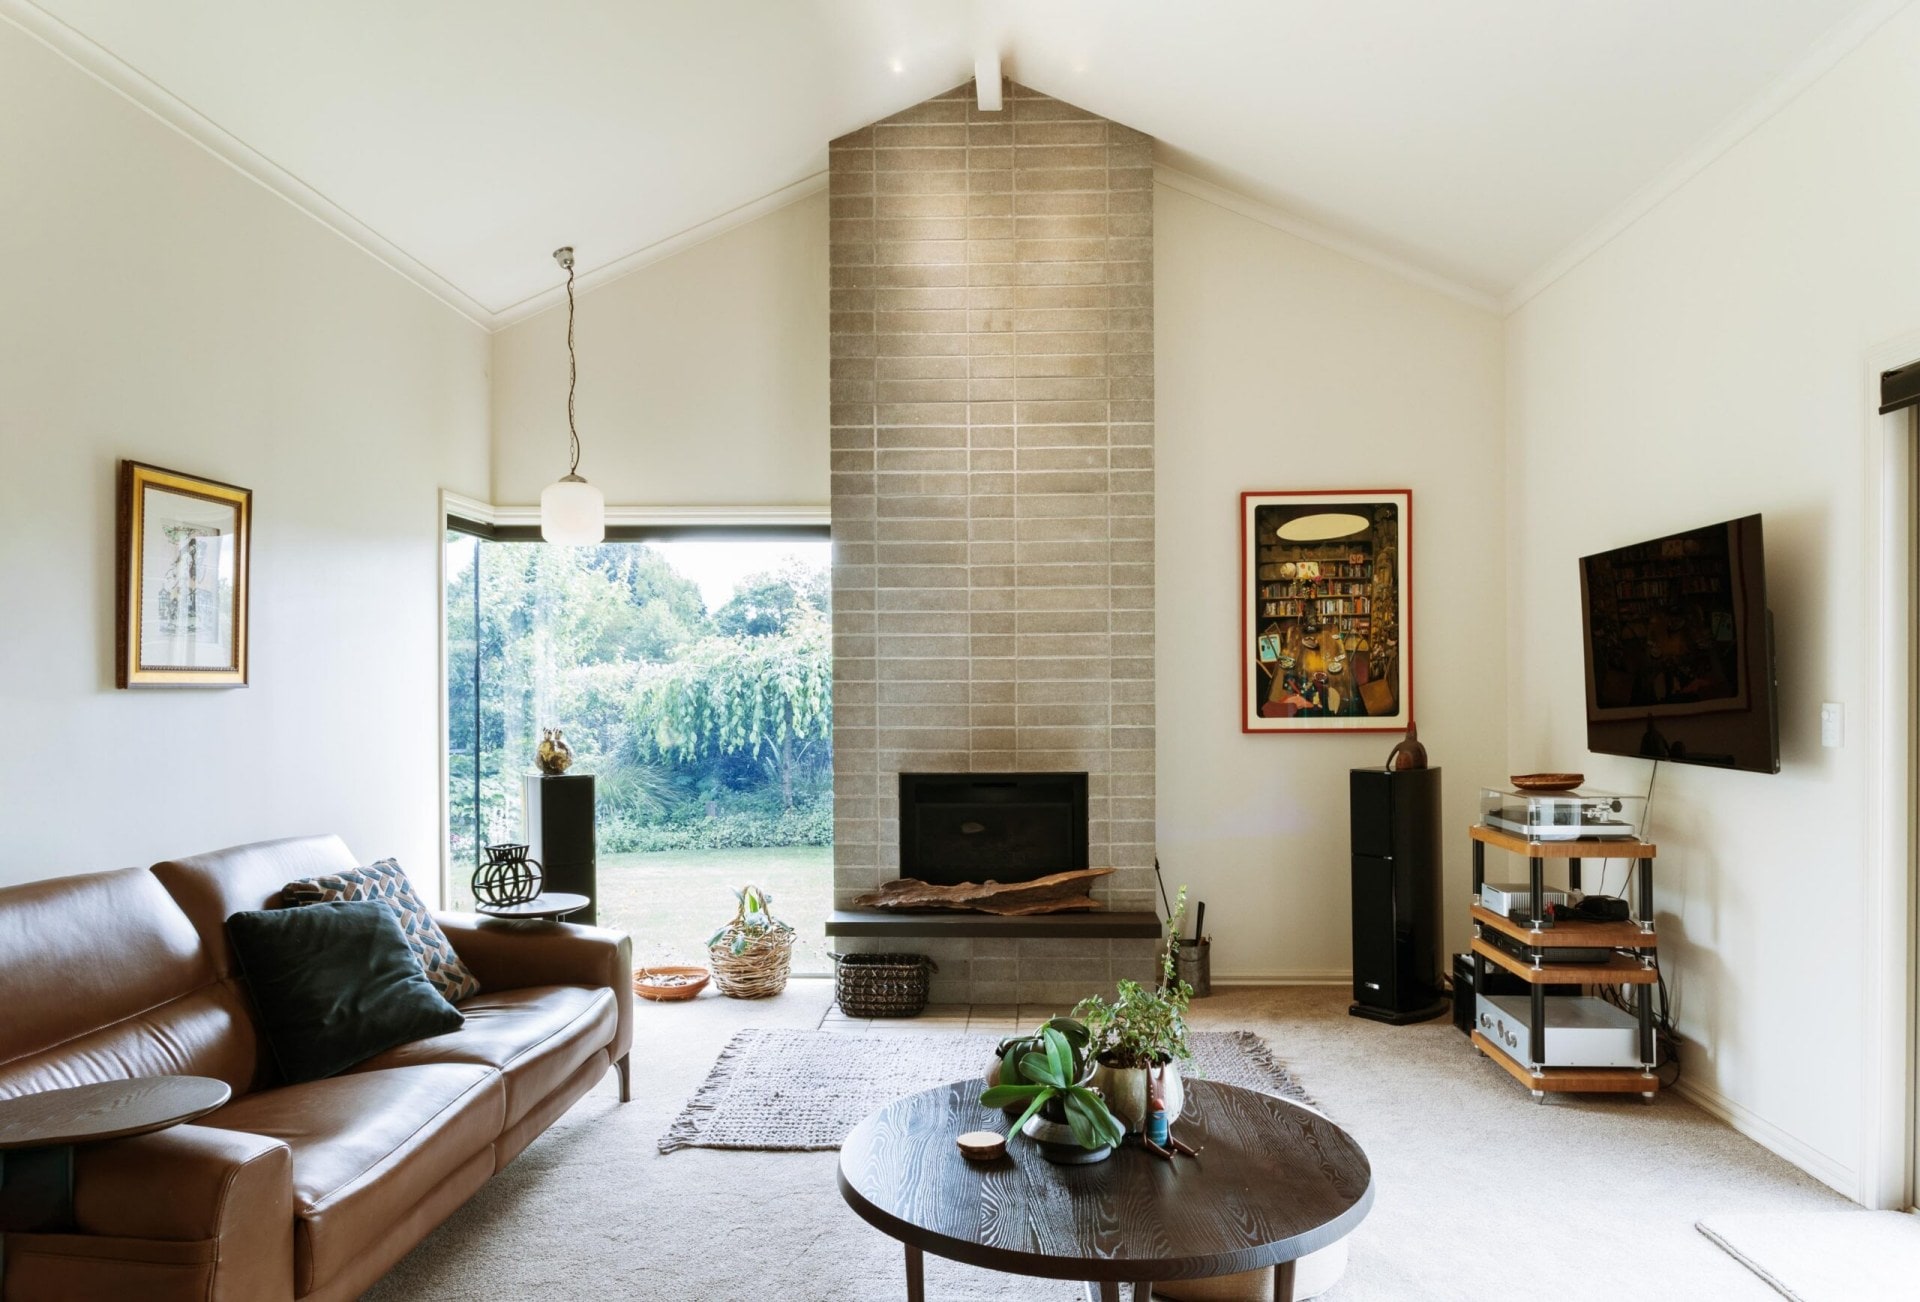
(573, 513)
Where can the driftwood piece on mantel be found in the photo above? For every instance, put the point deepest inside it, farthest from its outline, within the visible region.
(1057, 893)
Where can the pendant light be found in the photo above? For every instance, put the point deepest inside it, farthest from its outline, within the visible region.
(573, 512)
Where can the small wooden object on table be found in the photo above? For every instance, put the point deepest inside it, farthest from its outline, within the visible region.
(1546, 782)
(668, 984)
(1273, 1182)
(38, 1133)
(1632, 964)
(546, 907)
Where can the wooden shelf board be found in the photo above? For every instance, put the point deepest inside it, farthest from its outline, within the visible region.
(1571, 1080)
(1502, 839)
(1621, 970)
(1615, 935)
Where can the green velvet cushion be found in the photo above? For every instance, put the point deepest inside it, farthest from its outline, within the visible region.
(333, 984)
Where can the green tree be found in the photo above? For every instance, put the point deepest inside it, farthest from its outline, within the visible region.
(768, 697)
(772, 601)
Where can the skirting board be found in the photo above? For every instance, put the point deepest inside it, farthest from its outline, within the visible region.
(1838, 1175)
(1294, 977)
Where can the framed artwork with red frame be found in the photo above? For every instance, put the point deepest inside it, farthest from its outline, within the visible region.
(1326, 610)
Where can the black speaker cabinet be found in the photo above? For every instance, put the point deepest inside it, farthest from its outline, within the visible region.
(559, 816)
(1396, 895)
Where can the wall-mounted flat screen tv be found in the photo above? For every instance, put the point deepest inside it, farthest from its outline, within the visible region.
(1679, 649)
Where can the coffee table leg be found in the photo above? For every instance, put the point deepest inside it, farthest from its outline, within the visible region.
(1283, 1282)
(916, 1275)
(1107, 1290)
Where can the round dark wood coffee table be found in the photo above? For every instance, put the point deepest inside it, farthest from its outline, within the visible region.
(1273, 1182)
(38, 1133)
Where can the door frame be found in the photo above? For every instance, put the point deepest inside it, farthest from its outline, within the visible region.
(1887, 1156)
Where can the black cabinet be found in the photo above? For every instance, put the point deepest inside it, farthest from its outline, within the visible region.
(1396, 894)
(559, 817)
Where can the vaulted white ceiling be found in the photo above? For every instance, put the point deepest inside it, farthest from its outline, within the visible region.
(1477, 140)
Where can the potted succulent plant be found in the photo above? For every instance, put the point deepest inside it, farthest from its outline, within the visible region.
(1067, 1120)
(1142, 1033)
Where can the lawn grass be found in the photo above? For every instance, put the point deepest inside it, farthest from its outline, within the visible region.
(672, 900)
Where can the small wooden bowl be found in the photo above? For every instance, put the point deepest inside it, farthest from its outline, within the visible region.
(667, 984)
(1547, 781)
(982, 1145)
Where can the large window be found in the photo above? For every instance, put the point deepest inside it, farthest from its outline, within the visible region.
(692, 678)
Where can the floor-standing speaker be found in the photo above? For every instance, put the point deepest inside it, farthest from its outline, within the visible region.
(1396, 895)
(559, 817)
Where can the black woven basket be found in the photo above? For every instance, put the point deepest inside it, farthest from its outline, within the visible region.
(881, 985)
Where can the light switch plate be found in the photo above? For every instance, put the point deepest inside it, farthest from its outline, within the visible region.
(1833, 723)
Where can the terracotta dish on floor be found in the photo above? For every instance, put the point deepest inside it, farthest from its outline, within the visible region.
(1547, 781)
(669, 983)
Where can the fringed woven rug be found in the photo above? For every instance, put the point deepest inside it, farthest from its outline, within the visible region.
(802, 1091)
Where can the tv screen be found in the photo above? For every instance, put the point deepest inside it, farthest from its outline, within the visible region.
(1679, 649)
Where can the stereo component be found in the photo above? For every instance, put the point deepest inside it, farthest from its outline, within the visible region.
(1582, 1031)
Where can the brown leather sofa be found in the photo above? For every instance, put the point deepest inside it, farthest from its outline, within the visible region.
(307, 1191)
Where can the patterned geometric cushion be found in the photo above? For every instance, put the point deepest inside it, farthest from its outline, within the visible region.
(387, 881)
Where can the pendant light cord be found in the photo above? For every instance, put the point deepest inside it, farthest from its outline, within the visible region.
(573, 377)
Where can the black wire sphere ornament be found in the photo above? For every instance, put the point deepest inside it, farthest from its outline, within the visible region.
(507, 877)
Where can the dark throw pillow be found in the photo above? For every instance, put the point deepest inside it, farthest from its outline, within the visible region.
(387, 881)
(333, 984)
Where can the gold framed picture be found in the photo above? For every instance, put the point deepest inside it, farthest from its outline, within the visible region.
(182, 580)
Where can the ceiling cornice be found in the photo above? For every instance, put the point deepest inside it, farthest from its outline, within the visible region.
(680, 242)
(1826, 53)
(140, 90)
(1314, 233)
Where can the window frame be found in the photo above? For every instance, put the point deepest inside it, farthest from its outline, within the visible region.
(484, 520)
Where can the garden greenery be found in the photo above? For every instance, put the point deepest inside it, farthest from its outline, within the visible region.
(704, 730)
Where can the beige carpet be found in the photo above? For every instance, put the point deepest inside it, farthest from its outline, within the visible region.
(591, 1210)
(764, 1093)
(1856, 1256)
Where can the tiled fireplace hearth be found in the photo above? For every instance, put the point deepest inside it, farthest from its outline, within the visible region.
(992, 353)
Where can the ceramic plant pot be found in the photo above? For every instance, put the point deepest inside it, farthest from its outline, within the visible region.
(1049, 1131)
(1125, 1089)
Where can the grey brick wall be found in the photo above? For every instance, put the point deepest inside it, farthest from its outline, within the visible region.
(992, 425)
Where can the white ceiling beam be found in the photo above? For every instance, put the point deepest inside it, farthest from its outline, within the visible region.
(986, 82)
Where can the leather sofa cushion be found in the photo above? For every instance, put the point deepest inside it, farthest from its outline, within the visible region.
(367, 1147)
(537, 1037)
(212, 887)
(103, 977)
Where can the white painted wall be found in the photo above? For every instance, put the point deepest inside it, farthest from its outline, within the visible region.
(1283, 365)
(159, 306)
(703, 377)
(1708, 363)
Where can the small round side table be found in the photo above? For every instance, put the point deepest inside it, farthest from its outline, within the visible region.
(38, 1133)
(548, 907)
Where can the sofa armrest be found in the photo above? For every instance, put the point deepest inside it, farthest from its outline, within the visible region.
(197, 1184)
(508, 955)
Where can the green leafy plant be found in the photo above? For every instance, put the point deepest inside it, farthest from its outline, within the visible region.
(755, 919)
(1055, 1074)
(1142, 1027)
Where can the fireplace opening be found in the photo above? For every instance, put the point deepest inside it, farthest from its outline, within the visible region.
(1003, 827)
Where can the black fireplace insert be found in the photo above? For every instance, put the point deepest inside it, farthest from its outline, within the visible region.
(1003, 827)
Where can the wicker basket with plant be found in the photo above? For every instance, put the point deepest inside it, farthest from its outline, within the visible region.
(751, 955)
